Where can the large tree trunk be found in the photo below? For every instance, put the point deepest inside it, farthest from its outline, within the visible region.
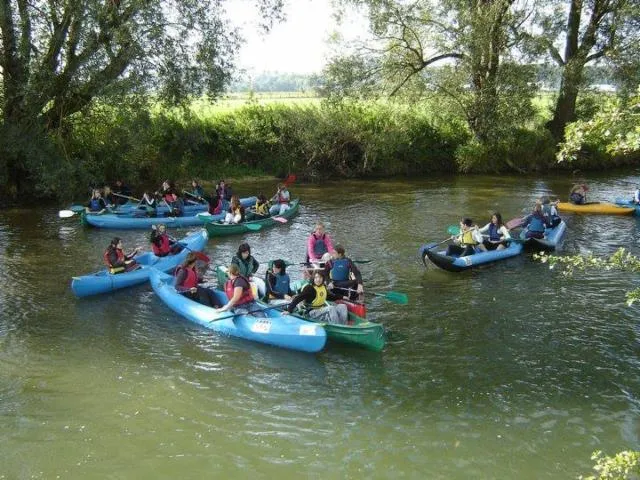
(565, 109)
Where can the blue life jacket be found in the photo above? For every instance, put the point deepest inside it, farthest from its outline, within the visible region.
(537, 223)
(494, 233)
(576, 198)
(282, 284)
(340, 270)
(319, 247)
(95, 205)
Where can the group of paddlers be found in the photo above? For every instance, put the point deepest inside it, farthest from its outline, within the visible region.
(331, 276)
(495, 235)
(222, 200)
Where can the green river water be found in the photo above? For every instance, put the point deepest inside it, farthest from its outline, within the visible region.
(508, 371)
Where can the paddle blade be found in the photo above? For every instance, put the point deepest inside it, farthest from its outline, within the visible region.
(253, 226)
(453, 230)
(76, 208)
(66, 213)
(280, 219)
(395, 297)
(362, 261)
(514, 223)
(289, 180)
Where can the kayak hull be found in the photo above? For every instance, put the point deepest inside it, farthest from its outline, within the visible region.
(458, 264)
(552, 238)
(601, 208)
(285, 331)
(629, 204)
(103, 282)
(128, 222)
(222, 229)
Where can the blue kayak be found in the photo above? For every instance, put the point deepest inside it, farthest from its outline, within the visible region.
(133, 208)
(628, 203)
(112, 220)
(103, 281)
(453, 263)
(552, 237)
(286, 331)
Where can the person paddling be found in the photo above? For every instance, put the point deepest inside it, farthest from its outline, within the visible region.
(497, 233)
(314, 298)
(116, 260)
(578, 194)
(319, 245)
(186, 282)
(550, 212)
(161, 244)
(277, 282)
(240, 295)
(248, 266)
(96, 203)
(236, 212)
(535, 222)
(343, 275)
(282, 199)
(467, 241)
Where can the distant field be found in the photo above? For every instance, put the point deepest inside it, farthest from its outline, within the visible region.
(234, 101)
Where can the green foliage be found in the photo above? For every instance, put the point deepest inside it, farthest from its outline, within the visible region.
(521, 150)
(622, 466)
(621, 260)
(614, 130)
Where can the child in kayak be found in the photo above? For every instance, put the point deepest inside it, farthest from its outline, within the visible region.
(116, 260)
(467, 241)
(497, 233)
(314, 297)
(187, 279)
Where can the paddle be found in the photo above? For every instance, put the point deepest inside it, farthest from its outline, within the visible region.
(194, 196)
(280, 219)
(287, 181)
(253, 226)
(429, 246)
(514, 223)
(126, 196)
(280, 305)
(66, 213)
(395, 297)
(199, 255)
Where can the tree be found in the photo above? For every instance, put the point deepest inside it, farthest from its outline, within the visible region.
(57, 57)
(575, 33)
(459, 48)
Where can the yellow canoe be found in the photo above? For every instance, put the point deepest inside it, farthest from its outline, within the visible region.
(595, 207)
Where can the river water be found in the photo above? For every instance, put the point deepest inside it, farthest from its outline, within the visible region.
(503, 372)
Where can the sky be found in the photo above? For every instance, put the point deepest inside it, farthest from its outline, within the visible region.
(297, 45)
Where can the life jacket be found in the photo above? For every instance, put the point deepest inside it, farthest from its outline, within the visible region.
(282, 284)
(261, 208)
(282, 198)
(165, 245)
(247, 292)
(576, 198)
(494, 233)
(547, 213)
(94, 205)
(107, 262)
(319, 245)
(537, 223)
(467, 238)
(246, 267)
(191, 279)
(340, 269)
(170, 197)
(321, 297)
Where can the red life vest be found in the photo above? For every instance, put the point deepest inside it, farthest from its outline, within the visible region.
(164, 248)
(247, 293)
(191, 279)
(105, 257)
(170, 197)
